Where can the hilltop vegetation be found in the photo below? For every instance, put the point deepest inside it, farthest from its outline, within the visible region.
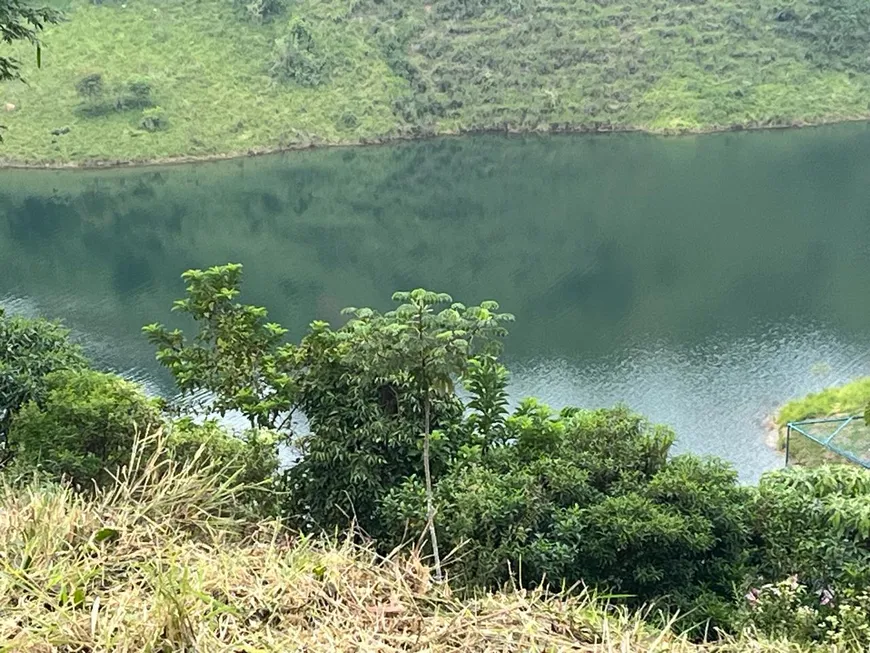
(144, 80)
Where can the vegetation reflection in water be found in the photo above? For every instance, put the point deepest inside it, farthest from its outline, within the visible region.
(702, 280)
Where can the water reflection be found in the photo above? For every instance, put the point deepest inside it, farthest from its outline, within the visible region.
(700, 280)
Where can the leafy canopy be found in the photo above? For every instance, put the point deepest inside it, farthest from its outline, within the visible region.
(236, 361)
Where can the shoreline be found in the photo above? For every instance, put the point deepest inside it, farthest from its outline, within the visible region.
(109, 164)
(771, 432)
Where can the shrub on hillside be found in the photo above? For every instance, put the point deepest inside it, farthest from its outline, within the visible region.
(298, 57)
(100, 100)
(814, 523)
(90, 86)
(30, 349)
(260, 11)
(838, 620)
(153, 120)
(84, 427)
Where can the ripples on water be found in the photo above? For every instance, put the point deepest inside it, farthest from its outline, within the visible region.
(702, 281)
(717, 395)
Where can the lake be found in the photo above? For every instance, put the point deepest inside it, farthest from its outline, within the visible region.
(700, 280)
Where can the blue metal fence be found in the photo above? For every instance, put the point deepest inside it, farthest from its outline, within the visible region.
(847, 436)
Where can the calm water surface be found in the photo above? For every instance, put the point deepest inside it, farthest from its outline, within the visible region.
(702, 281)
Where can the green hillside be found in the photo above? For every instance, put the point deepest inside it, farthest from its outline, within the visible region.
(146, 79)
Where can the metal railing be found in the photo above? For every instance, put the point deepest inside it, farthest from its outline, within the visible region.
(827, 440)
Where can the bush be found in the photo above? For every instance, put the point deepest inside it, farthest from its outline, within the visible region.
(349, 120)
(815, 524)
(298, 58)
(589, 496)
(261, 11)
(30, 349)
(790, 609)
(251, 460)
(90, 86)
(153, 120)
(135, 95)
(83, 429)
(813, 527)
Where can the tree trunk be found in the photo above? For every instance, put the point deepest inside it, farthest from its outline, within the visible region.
(430, 501)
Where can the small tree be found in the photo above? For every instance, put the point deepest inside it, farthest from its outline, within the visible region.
(432, 348)
(237, 360)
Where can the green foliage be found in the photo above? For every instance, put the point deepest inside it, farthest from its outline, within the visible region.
(431, 344)
(90, 86)
(835, 32)
(153, 120)
(363, 439)
(84, 428)
(839, 621)
(299, 58)
(813, 527)
(250, 459)
(236, 362)
(30, 349)
(533, 496)
(429, 347)
(589, 496)
(369, 390)
(485, 379)
(815, 523)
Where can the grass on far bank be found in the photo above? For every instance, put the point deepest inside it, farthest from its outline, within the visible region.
(396, 68)
(845, 400)
(159, 564)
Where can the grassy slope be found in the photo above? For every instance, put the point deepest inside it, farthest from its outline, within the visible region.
(400, 68)
(154, 566)
(849, 399)
(209, 75)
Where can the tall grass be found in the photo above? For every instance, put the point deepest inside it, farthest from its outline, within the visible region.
(159, 563)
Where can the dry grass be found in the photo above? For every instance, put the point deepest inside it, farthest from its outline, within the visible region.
(159, 564)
